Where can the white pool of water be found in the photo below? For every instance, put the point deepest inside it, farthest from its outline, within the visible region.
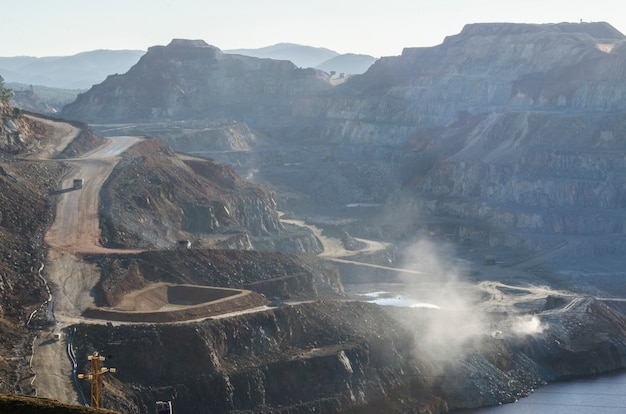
(384, 298)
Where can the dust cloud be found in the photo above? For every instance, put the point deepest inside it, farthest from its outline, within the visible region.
(458, 317)
(528, 325)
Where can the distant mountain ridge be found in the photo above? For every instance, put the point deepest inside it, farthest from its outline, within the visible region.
(79, 71)
(311, 57)
(302, 56)
(85, 69)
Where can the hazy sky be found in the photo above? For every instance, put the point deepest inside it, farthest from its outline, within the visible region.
(382, 28)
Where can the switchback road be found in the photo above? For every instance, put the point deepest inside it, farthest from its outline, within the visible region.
(74, 230)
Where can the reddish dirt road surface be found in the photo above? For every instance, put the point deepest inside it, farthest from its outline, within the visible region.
(74, 230)
(76, 226)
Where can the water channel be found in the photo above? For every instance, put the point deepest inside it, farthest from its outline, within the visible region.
(604, 394)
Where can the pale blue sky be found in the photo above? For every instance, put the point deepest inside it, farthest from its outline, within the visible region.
(383, 28)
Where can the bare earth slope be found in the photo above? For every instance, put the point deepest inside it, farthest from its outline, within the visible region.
(180, 199)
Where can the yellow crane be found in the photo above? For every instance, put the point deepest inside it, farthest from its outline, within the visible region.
(94, 376)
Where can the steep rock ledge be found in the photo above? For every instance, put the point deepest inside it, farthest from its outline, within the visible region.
(294, 358)
(347, 357)
(18, 134)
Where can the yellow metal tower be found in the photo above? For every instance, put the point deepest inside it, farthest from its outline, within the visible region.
(95, 378)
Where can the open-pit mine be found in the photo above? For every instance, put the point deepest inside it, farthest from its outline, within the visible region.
(443, 232)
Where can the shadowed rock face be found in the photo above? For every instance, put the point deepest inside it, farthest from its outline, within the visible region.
(514, 127)
(345, 357)
(553, 174)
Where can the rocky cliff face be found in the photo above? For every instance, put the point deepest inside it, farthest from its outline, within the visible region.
(344, 357)
(498, 67)
(287, 360)
(190, 79)
(514, 127)
(534, 173)
(18, 133)
(513, 131)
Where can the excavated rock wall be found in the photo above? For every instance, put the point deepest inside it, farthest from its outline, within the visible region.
(346, 357)
(285, 360)
(243, 215)
(18, 133)
(534, 175)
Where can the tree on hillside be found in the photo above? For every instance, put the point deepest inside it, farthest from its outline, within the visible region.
(5, 93)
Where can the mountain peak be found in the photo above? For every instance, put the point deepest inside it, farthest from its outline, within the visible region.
(188, 43)
(186, 49)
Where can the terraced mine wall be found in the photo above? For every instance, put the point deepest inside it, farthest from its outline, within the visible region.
(343, 356)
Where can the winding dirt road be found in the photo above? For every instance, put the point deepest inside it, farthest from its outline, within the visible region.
(61, 136)
(334, 250)
(74, 230)
(76, 226)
